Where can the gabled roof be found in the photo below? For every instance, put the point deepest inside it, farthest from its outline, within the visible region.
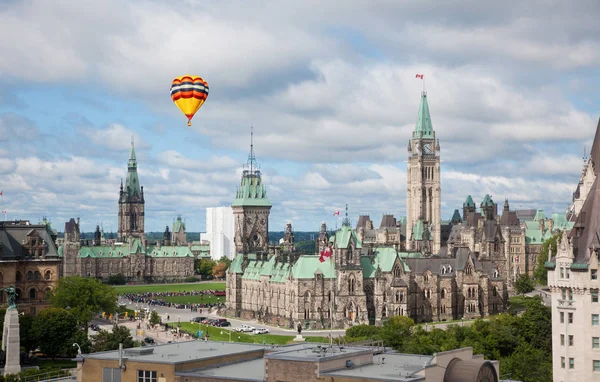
(595, 153)
(539, 215)
(307, 265)
(388, 221)
(362, 221)
(423, 128)
(178, 225)
(419, 230)
(456, 218)
(344, 236)
(587, 225)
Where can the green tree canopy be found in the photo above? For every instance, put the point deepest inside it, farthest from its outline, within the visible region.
(524, 284)
(84, 297)
(205, 268)
(29, 339)
(154, 318)
(55, 327)
(396, 330)
(105, 340)
(226, 260)
(540, 273)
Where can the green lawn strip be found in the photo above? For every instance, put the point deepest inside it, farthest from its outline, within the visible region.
(55, 364)
(215, 335)
(168, 287)
(518, 302)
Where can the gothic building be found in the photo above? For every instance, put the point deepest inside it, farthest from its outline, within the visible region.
(423, 192)
(131, 256)
(369, 276)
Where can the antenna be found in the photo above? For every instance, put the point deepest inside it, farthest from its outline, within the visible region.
(132, 140)
(251, 157)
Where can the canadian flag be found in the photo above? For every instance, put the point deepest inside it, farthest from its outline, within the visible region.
(419, 76)
(336, 213)
(325, 253)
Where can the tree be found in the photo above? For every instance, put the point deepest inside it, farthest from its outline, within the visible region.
(56, 327)
(226, 260)
(154, 318)
(105, 340)
(219, 269)
(85, 297)
(540, 273)
(527, 363)
(396, 330)
(205, 268)
(524, 284)
(28, 337)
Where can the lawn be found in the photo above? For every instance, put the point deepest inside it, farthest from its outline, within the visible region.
(215, 335)
(518, 302)
(168, 287)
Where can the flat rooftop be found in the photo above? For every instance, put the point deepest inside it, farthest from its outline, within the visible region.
(316, 353)
(180, 352)
(395, 367)
(253, 370)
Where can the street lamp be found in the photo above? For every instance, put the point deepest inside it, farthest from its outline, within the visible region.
(462, 321)
(179, 321)
(229, 335)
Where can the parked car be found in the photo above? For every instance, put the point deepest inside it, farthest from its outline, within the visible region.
(199, 319)
(206, 321)
(223, 324)
(246, 328)
(149, 340)
(94, 327)
(261, 331)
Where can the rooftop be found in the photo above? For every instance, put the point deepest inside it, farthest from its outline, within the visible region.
(253, 370)
(388, 367)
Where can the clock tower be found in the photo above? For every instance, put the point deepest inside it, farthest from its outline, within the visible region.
(251, 209)
(423, 192)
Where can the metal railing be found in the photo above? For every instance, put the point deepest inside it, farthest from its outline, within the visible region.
(56, 375)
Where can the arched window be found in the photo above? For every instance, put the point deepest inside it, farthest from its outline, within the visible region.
(384, 296)
(32, 294)
(443, 271)
(443, 293)
(397, 271)
(384, 312)
(29, 275)
(428, 293)
(426, 278)
(397, 296)
(401, 297)
(37, 275)
(47, 275)
(495, 291)
(468, 269)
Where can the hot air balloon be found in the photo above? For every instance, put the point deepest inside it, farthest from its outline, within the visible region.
(189, 93)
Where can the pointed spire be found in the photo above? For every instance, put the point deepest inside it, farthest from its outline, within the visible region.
(469, 202)
(346, 221)
(251, 156)
(132, 154)
(423, 128)
(132, 184)
(595, 152)
(506, 206)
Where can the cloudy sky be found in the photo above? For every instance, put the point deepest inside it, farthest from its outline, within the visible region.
(329, 87)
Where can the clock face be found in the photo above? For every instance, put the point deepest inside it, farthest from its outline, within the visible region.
(427, 149)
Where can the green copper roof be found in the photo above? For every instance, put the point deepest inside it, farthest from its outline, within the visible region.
(178, 225)
(132, 183)
(550, 264)
(423, 128)
(251, 192)
(343, 236)
(418, 231)
(308, 265)
(107, 251)
(469, 202)
(383, 258)
(487, 201)
(539, 215)
(456, 217)
(580, 266)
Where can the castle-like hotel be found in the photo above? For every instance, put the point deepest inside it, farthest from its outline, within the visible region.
(419, 266)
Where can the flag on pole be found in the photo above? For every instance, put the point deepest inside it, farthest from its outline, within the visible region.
(419, 76)
(336, 213)
(325, 254)
(1, 193)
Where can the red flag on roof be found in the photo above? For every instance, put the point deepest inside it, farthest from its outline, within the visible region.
(336, 213)
(419, 76)
(325, 253)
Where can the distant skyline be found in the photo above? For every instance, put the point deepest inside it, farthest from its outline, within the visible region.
(512, 93)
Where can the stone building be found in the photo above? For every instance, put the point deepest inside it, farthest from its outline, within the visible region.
(131, 256)
(29, 260)
(369, 276)
(574, 285)
(391, 232)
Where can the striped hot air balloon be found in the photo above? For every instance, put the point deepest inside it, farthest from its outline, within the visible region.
(189, 93)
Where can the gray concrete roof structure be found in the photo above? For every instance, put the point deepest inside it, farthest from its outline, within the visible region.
(388, 367)
(253, 370)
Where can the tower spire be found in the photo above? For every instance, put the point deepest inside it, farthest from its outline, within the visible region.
(251, 156)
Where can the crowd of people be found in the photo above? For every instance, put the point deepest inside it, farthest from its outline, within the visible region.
(158, 299)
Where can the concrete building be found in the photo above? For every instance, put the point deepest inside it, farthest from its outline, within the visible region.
(219, 232)
(29, 260)
(574, 285)
(195, 361)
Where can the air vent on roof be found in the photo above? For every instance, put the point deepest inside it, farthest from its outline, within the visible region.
(139, 351)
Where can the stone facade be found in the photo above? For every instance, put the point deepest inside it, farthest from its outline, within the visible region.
(29, 260)
(369, 276)
(574, 284)
(131, 256)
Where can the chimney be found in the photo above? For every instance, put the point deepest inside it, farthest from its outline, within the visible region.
(77, 223)
(157, 244)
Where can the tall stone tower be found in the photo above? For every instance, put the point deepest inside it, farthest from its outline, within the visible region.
(423, 193)
(251, 209)
(131, 202)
